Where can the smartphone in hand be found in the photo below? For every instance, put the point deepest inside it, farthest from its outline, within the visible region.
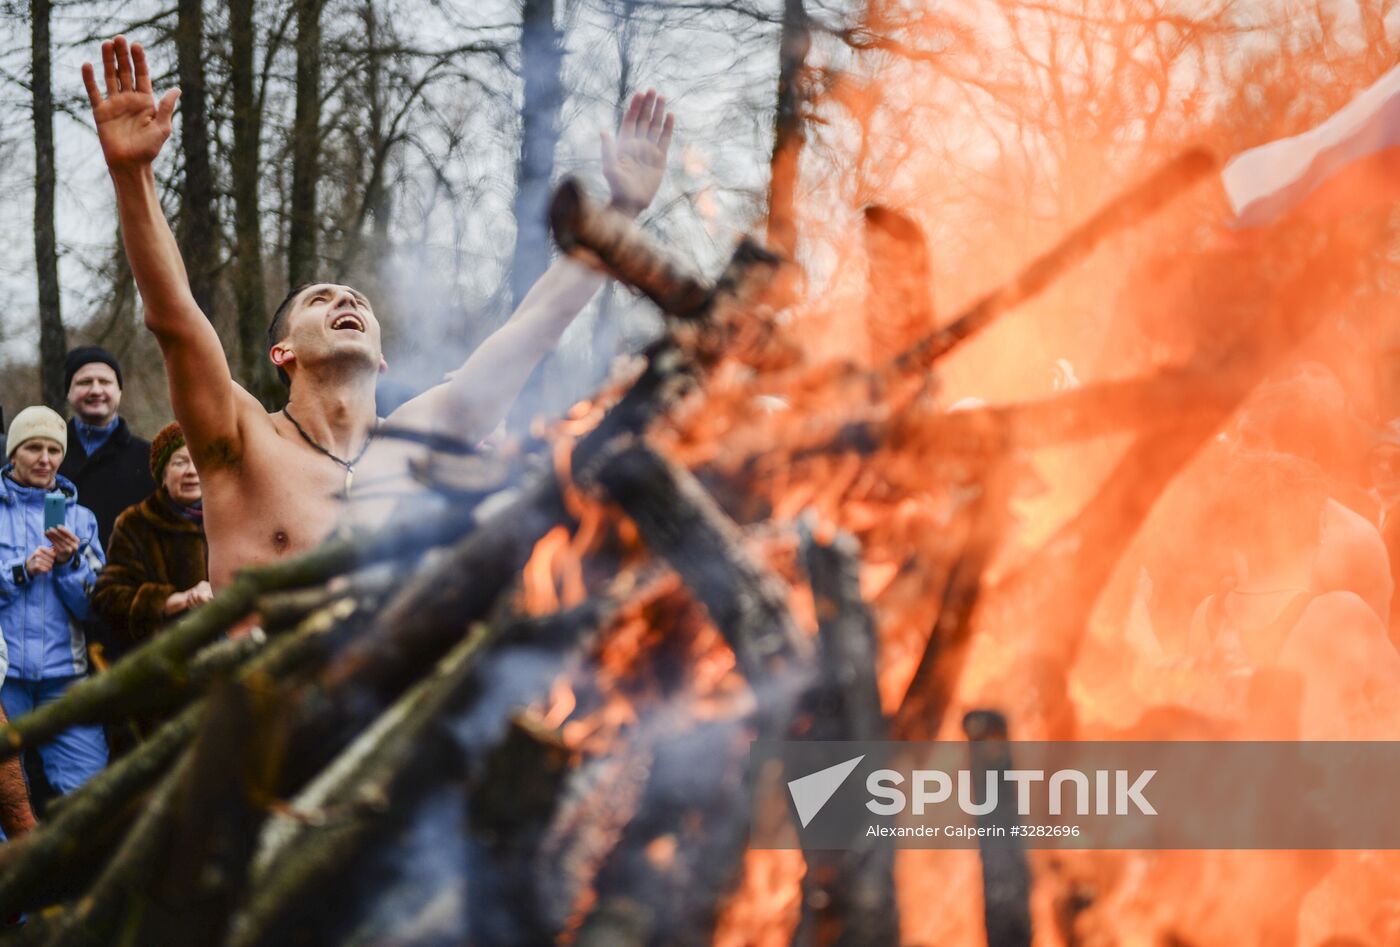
(55, 509)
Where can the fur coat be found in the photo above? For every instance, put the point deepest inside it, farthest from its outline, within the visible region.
(155, 552)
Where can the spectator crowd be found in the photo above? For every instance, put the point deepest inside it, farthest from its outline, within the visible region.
(101, 543)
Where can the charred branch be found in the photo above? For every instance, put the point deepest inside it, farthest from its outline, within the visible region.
(848, 898)
(684, 526)
(606, 239)
(1006, 874)
(849, 704)
(609, 241)
(1163, 399)
(516, 797)
(680, 856)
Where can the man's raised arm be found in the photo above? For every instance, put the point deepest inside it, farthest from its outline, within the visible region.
(132, 128)
(476, 396)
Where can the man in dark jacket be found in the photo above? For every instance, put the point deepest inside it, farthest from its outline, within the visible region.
(107, 463)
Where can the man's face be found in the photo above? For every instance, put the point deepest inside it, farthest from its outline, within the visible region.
(181, 480)
(36, 462)
(94, 394)
(329, 324)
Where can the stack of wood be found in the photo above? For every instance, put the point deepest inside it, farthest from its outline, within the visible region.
(384, 762)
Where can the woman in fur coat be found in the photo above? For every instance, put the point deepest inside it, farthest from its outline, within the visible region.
(157, 567)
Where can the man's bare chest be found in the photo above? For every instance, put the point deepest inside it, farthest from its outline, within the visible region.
(277, 501)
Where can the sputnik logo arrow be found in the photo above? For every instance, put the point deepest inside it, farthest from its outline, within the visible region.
(811, 792)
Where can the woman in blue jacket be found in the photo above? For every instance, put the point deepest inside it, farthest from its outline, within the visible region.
(45, 579)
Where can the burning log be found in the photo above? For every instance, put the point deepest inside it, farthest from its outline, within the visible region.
(848, 898)
(1163, 399)
(519, 792)
(930, 692)
(599, 801)
(608, 240)
(683, 874)
(1063, 579)
(899, 282)
(1124, 211)
(679, 856)
(1006, 874)
(685, 527)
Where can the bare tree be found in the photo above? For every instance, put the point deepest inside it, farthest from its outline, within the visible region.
(52, 339)
(199, 230)
(306, 146)
(541, 60)
(245, 168)
(788, 132)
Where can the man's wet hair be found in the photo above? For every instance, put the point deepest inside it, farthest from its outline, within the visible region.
(277, 328)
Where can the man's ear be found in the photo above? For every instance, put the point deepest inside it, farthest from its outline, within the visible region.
(281, 355)
(383, 365)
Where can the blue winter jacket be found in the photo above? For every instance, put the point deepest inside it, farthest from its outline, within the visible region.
(40, 615)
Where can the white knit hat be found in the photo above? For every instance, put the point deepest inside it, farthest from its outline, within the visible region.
(36, 421)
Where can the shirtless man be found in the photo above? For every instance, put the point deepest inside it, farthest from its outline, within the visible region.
(274, 484)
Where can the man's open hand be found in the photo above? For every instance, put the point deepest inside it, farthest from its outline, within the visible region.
(634, 163)
(131, 125)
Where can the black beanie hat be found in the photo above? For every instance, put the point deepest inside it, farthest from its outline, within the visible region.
(86, 355)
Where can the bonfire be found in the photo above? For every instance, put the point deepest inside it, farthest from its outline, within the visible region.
(537, 730)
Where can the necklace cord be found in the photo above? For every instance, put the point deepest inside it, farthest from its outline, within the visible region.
(349, 465)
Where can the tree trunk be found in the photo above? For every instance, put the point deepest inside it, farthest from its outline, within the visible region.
(788, 133)
(250, 288)
(198, 230)
(302, 263)
(541, 60)
(374, 202)
(53, 342)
